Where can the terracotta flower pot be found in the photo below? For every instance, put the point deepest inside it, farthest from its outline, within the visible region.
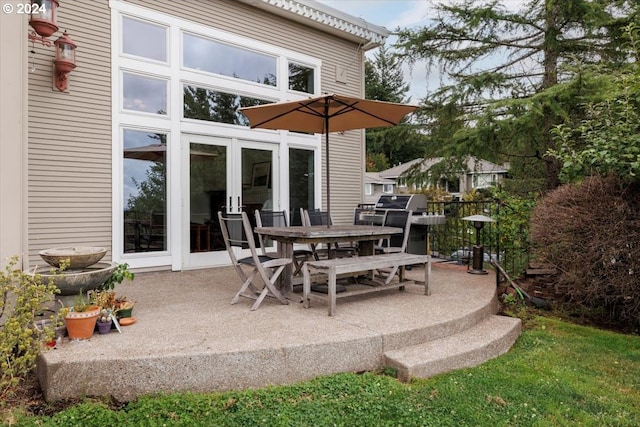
(80, 325)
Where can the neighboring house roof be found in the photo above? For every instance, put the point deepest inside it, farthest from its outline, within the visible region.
(375, 178)
(480, 166)
(474, 165)
(325, 18)
(396, 171)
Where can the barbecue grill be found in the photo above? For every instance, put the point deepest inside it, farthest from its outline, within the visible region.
(420, 220)
(402, 202)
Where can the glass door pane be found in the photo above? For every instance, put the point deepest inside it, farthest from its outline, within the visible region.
(144, 191)
(227, 175)
(301, 183)
(257, 178)
(207, 196)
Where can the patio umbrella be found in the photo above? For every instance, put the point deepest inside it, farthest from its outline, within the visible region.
(324, 114)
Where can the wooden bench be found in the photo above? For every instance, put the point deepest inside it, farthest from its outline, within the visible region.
(393, 262)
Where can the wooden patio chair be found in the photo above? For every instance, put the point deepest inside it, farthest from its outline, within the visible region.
(237, 233)
(267, 218)
(397, 242)
(318, 217)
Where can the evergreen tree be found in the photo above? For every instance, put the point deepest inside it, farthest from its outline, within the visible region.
(607, 140)
(502, 69)
(384, 81)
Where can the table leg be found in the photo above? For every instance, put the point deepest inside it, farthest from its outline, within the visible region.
(366, 247)
(285, 281)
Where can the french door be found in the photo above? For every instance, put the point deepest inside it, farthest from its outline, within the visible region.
(226, 175)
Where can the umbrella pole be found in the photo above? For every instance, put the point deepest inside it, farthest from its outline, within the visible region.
(326, 139)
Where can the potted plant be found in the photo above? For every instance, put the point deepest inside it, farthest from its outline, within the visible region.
(124, 307)
(104, 321)
(81, 318)
(121, 306)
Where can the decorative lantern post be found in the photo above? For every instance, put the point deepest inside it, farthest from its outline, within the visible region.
(43, 19)
(478, 248)
(65, 61)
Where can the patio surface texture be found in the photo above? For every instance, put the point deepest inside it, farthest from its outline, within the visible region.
(188, 337)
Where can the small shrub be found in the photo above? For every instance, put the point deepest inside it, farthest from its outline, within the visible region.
(590, 233)
(118, 275)
(22, 297)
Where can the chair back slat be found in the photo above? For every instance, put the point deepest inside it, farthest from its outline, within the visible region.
(237, 232)
(399, 219)
(268, 218)
(318, 217)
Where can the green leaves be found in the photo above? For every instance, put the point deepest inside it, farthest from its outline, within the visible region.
(118, 275)
(607, 141)
(22, 296)
(509, 76)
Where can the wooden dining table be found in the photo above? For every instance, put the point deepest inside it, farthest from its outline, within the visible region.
(365, 235)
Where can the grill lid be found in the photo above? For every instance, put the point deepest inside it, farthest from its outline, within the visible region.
(414, 202)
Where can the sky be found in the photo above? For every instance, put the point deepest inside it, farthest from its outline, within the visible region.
(392, 14)
(405, 14)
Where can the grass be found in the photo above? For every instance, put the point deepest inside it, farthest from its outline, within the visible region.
(557, 374)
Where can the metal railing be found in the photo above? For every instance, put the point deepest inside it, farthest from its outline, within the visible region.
(455, 239)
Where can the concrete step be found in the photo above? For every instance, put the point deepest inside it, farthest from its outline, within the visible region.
(488, 339)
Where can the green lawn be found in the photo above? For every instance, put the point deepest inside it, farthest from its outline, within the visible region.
(557, 374)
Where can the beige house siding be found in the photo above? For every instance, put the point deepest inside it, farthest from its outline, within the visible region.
(13, 136)
(69, 184)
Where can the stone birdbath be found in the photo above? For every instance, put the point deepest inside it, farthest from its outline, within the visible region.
(84, 272)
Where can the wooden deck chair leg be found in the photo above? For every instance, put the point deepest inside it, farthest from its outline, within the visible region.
(269, 283)
(244, 277)
(246, 285)
(263, 294)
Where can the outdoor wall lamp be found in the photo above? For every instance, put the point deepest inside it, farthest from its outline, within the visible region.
(478, 249)
(65, 61)
(43, 19)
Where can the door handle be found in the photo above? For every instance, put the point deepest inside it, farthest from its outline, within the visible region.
(239, 209)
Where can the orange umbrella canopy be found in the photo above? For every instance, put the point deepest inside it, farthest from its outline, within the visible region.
(325, 114)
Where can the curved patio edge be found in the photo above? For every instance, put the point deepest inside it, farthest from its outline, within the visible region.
(189, 338)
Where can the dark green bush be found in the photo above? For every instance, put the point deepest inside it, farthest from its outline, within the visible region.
(591, 233)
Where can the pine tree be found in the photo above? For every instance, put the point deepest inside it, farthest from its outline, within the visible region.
(502, 70)
(384, 81)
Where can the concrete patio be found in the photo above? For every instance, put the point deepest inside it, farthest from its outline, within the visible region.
(189, 338)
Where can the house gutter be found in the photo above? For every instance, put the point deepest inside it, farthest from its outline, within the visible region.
(322, 17)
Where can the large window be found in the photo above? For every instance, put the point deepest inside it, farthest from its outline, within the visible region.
(212, 56)
(179, 85)
(144, 191)
(301, 78)
(301, 183)
(215, 106)
(140, 38)
(144, 93)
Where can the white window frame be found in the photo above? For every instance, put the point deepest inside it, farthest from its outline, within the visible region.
(368, 189)
(174, 125)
